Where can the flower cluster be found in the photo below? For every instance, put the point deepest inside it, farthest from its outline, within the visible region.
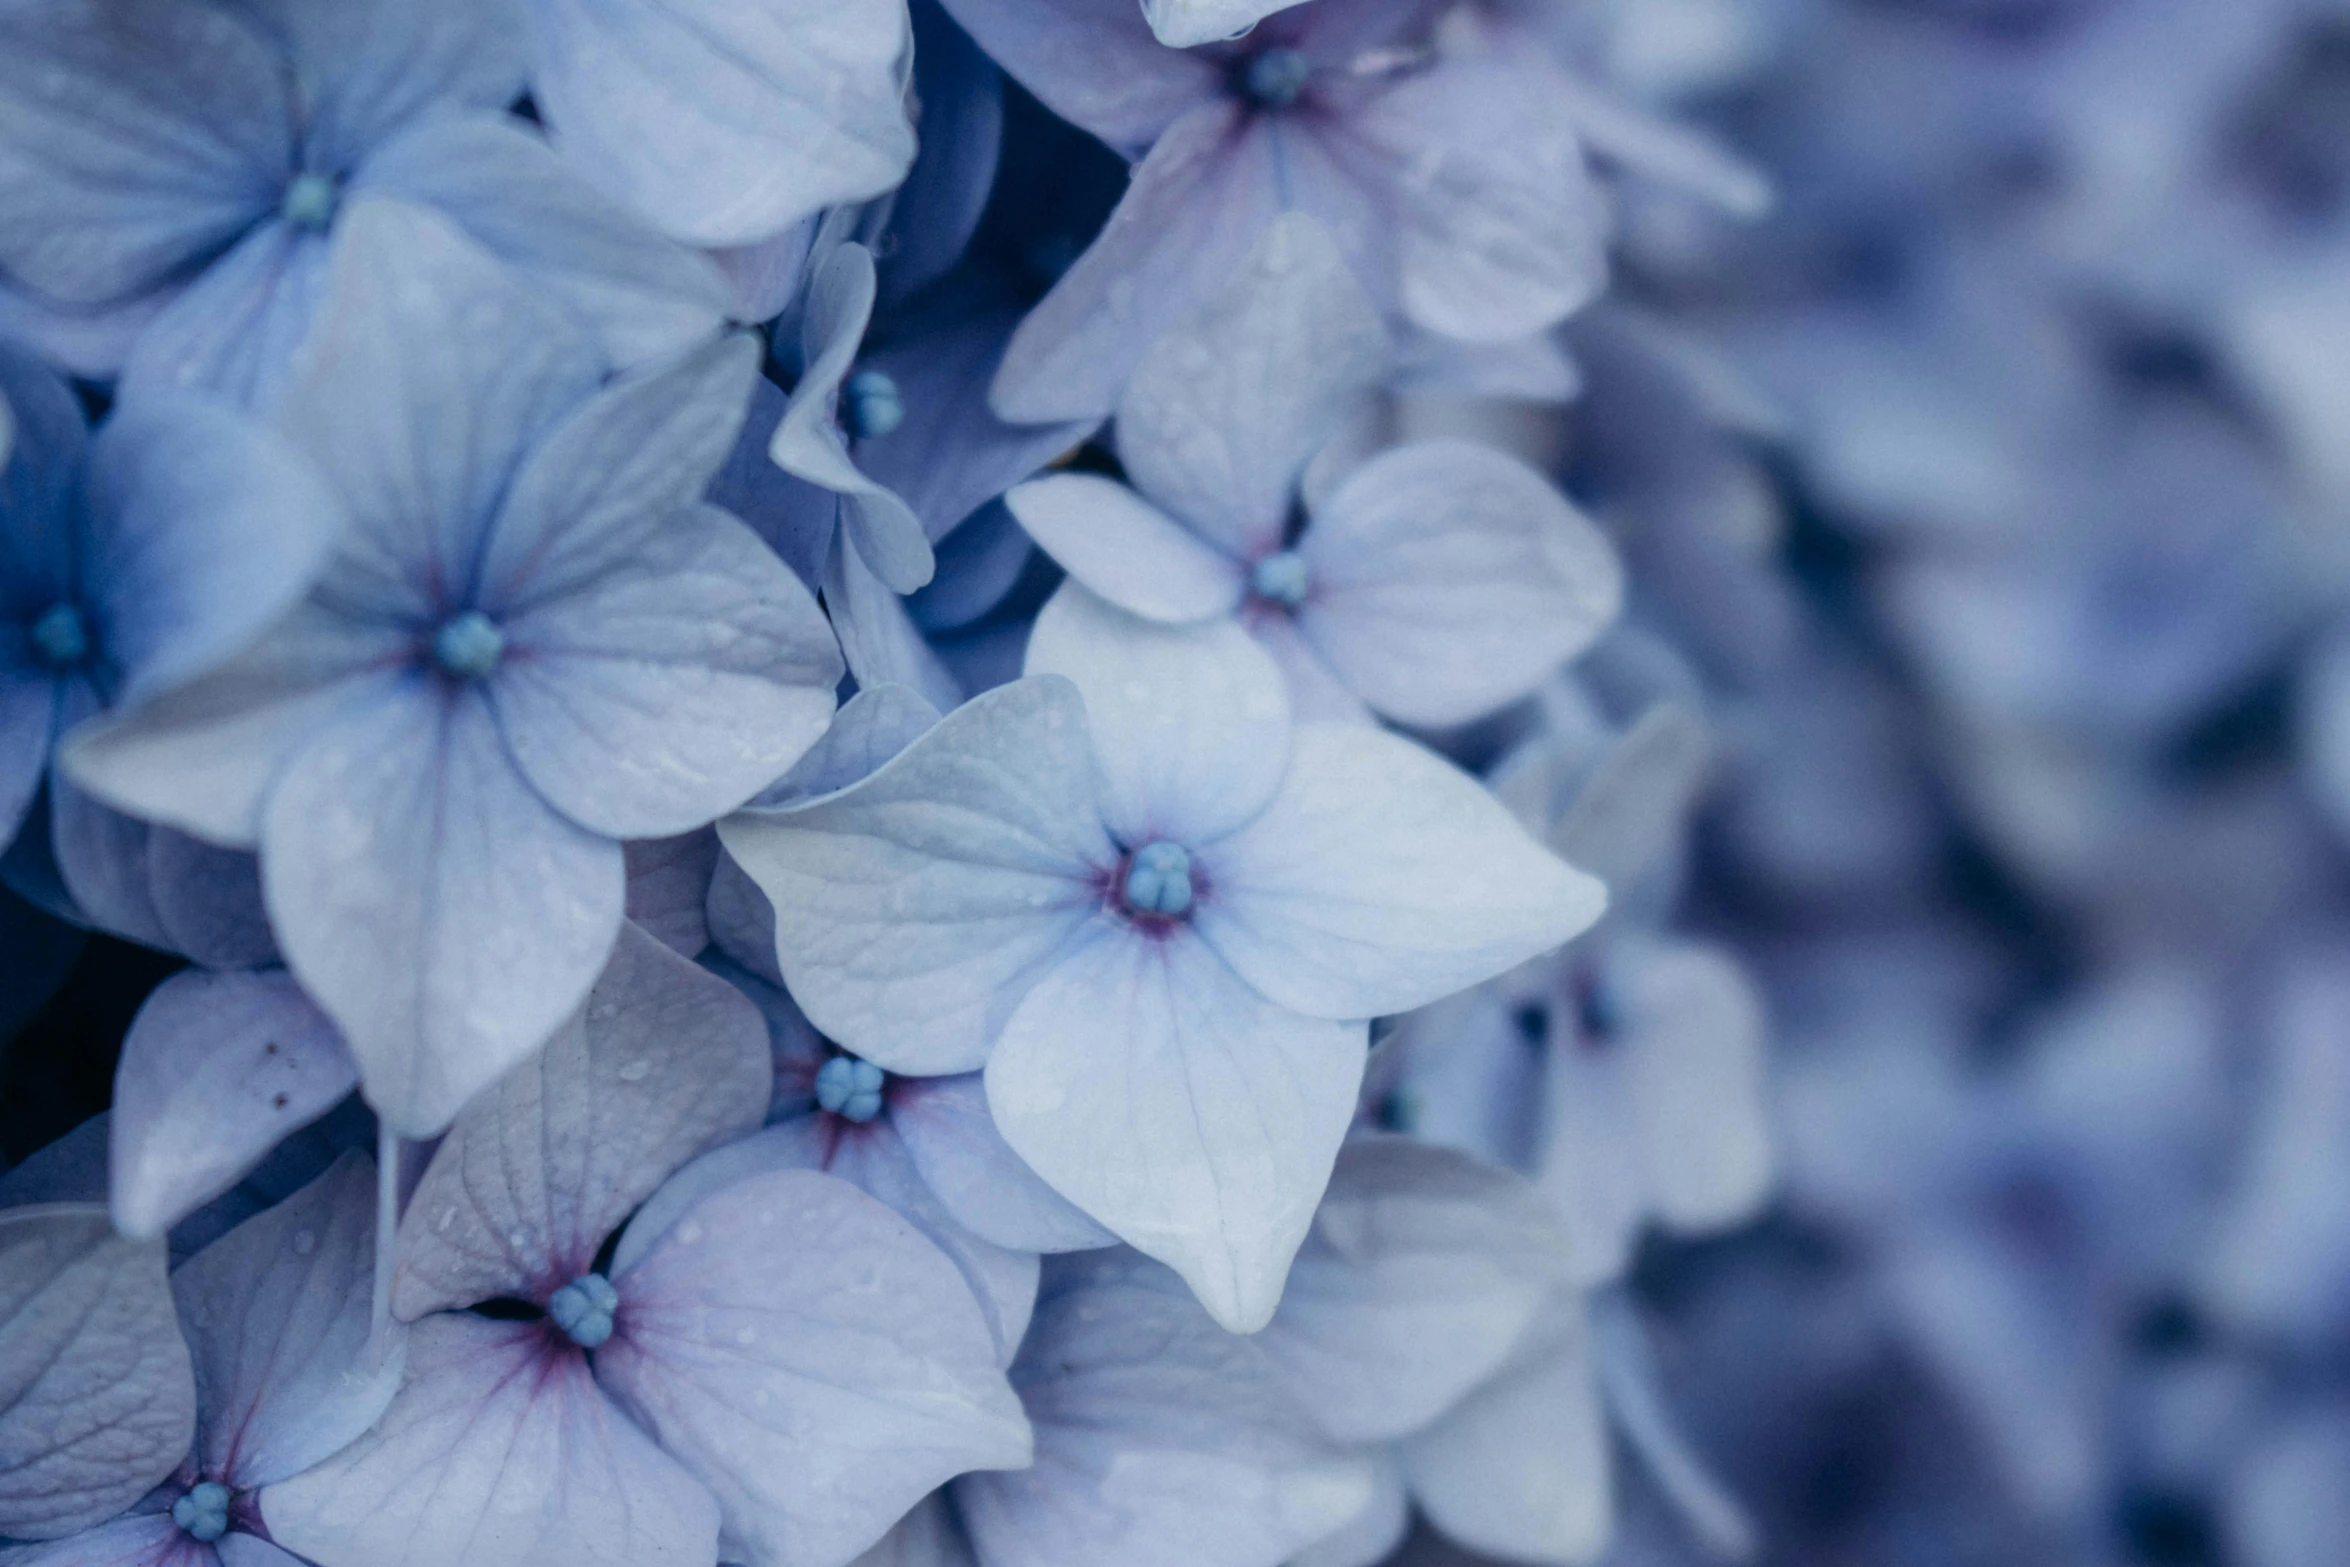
(873, 847)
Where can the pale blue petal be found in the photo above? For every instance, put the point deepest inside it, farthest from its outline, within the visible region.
(235, 329)
(279, 1314)
(217, 1070)
(436, 371)
(913, 906)
(205, 527)
(444, 915)
(201, 758)
(669, 888)
(1094, 63)
(1190, 724)
(670, 688)
(1161, 1439)
(615, 474)
(1228, 406)
(642, 296)
(664, 1062)
(136, 137)
(878, 636)
(790, 1303)
(1499, 229)
(1181, 24)
(1159, 1093)
(368, 68)
(1196, 208)
(1448, 580)
(96, 1400)
(989, 1189)
(727, 124)
(498, 1450)
(1423, 1268)
(1381, 878)
(1520, 1468)
(809, 443)
(1127, 551)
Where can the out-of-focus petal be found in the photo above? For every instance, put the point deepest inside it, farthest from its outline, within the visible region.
(1422, 1270)
(1161, 1439)
(1520, 1468)
(217, 1070)
(1446, 580)
(1185, 226)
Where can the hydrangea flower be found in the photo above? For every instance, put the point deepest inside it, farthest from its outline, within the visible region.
(532, 641)
(172, 172)
(1157, 912)
(1435, 582)
(772, 1370)
(1452, 184)
(924, 1145)
(1423, 1270)
(288, 1368)
(132, 562)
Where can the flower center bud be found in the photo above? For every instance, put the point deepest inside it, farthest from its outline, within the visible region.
(870, 406)
(850, 1088)
(61, 637)
(202, 1514)
(1158, 880)
(468, 646)
(1280, 577)
(584, 1308)
(310, 201)
(1276, 77)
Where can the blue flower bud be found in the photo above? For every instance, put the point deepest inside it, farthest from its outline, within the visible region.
(202, 1514)
(61, 637)
(1276, 77)
(310, 201)
(584, 1309)
(870, 406)
(1281, 578)
(468, 646)
(1158, 880)
(850, 1088)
